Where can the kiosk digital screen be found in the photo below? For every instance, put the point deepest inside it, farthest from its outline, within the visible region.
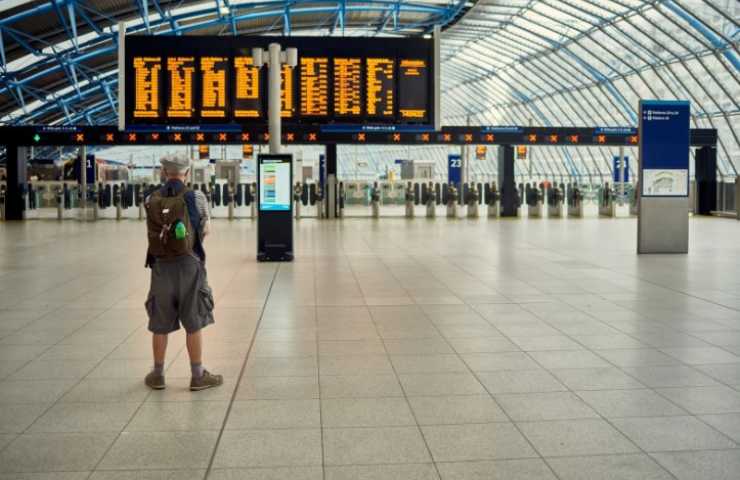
(380, 75)
(274, 185)
(247, 89)
(214, 86)
(212, 80)
(180, 86)
(147, 78)
(413, 86)
(314, 86)
(347, 87)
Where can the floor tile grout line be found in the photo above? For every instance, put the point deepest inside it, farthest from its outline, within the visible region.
(653, 389)
(493, 398)
(81, 379)
(446, 340)
(133, 415)
(626, 437)
(209, 468)
(400, 384)
(318, 373)
(621, 369)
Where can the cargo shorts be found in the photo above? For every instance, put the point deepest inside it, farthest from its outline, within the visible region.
(179, 295)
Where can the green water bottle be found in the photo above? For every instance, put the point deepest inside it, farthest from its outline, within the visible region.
(180, 231)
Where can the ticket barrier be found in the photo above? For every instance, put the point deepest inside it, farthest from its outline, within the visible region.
(534, 198)
(472, 200)
(555, 201)
(492, 199)
(297, 196)
(409, 199)
(634, 198)
(2, 202)
(575, 201)
(340, 200)
(606, 201)
(375, 201)
(430, 198)
(452, 200)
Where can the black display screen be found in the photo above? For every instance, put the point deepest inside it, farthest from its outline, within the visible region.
(206, 79)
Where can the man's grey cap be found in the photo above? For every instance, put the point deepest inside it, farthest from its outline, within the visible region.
(179, 161)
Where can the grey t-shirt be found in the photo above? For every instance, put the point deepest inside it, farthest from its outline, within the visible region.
(201, 204)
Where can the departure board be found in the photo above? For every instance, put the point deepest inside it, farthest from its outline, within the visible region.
(287, 92)
(347, 87)
(248, 89)
(214, 87)
(314, 86)
(147, 77)
(211, 82)
(413, 86)
(180, 87)
(379, 79)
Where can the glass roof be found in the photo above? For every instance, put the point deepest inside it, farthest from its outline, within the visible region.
(504, 62)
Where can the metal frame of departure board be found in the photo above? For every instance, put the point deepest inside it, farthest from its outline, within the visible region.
(399, 50)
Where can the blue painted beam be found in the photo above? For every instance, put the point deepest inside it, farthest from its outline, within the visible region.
(700, 27)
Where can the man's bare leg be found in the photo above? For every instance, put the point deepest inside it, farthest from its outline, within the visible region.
(159, 347)
(194, 342)
(155, 379)
(201, 378)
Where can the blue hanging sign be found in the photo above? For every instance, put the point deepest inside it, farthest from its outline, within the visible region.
(454, 169)
(616, 169)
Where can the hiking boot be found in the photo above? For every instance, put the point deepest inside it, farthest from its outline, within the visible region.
(207, 380)
(155, 381)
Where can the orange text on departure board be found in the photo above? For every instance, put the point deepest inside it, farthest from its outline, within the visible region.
(146, 86)
(347, 86)
(247, 88)
(379, 86)
(213, 86)
(410, 72)
(314, 86)
(180, 71)
(287, 96)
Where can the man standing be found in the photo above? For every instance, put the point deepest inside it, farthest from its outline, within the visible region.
(177, 223)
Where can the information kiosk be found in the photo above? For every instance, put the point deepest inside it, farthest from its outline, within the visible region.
(275, 211)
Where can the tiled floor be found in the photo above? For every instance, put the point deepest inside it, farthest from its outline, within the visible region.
(391, 349)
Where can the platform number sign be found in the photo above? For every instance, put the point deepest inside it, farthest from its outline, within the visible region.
(454, 169)
(616, 166)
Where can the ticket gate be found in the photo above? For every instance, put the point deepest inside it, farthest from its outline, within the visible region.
(452, 199)
(472, 200)
(634, 198)
(534, 198)
(340, 200)
(2, 202)
(409, 200)
(606, 201)
(492, 199)
(555, 201)
(297, 194)
(375, 200)
(429, 199)
(575, 201)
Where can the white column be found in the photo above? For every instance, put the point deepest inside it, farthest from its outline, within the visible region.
(273, 101)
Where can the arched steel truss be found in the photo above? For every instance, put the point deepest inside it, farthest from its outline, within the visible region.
(538, 62)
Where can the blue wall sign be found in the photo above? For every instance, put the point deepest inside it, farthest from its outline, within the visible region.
(664, 148)
(616, 170)
(454, 169)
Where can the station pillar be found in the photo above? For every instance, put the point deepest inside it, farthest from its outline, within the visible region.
(330, 195)
(16, 171)
(507, 184)
(706, 180)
